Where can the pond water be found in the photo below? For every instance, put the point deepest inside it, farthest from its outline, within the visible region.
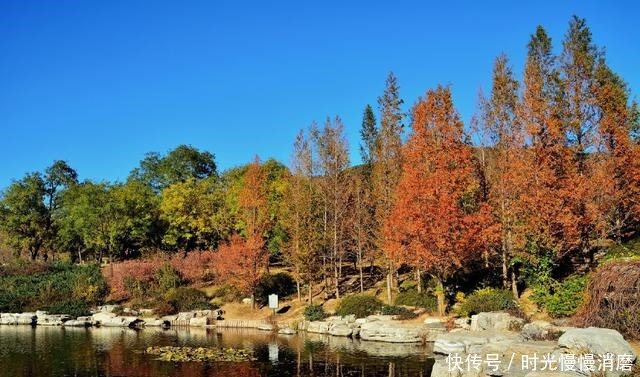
(54, 351)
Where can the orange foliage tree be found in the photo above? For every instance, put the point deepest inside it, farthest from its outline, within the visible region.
(436, 222)
(243, 259)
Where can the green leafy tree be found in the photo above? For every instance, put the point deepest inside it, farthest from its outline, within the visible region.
(177, 166)
(194, 215)
(24, 215)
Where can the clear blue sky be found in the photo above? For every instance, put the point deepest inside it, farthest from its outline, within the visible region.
(99, 83)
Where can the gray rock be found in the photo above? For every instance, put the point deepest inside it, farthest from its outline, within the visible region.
(185, 316)
(318, 327)
(595, 340)
(265, 327)
(18, 319)
(462, 323)
(109, 308)
(52, 319)
(199, 322)
(551, 374)
(500, 321)
(77, 323)
(286, 331)
(542, 330)
(435, 323)
(340, 330)
(377, 317)
(389, 331)
(462, 341)
(108, 319)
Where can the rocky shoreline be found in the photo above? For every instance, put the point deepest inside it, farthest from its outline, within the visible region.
(485, 335)
(107, 316)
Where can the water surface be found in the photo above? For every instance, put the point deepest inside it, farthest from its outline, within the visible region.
(54, 351)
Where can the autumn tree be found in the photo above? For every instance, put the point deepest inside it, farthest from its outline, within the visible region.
(547, 219)
(241, 261)
(436, 219)
(387, 163)
(332, 161)
(617, 162)
(578, 63)
(504, 169)
(302, 216)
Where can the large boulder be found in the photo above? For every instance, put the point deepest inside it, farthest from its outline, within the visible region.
(318, 327)
(18, 319)
(596, 341)
(79, 322)
(499, 321)
(542, 330)
(340, 329)
(462, 341)
(199, 322)
(389, 331)
(52, 319)
(107, 319)
(286, 331)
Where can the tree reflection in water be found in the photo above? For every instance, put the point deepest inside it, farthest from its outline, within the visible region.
(54, 351)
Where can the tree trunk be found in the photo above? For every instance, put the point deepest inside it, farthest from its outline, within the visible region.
(361, 272)
(514, 283)
(389, 283)
(440, 296)
(310, 292)
(298, 290)
(505, 268)
(419, 280)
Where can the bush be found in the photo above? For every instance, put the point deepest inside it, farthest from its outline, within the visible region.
(400, 311)
(359, 305)
(613, 299)
(487, 300)
(314, 313)
(228, 293)
(57, 286)
(75, 308)
(561, 299)
(167, 278)
(418, 300)
(281, 284)
(185, 299)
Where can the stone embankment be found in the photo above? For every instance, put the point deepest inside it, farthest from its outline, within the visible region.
(464, 347)
(113, 316)
(497, 344)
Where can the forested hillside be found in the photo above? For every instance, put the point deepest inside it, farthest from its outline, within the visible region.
(543, 180)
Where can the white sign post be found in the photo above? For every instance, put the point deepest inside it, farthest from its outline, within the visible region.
(273, 303)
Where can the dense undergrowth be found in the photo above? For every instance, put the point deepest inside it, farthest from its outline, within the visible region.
(59, 288)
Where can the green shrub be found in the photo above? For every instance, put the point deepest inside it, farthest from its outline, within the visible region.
(360, 305)
(418, 300)
(487, 300)
(137, 289)
(227, 293)
(75, 308)
(185, 299)
(314, 313)
(400, 311)
(167, 278)
(561, 299)
(59, 286)
(281, 284)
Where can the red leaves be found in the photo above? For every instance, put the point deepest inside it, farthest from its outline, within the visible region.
(436, 222)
